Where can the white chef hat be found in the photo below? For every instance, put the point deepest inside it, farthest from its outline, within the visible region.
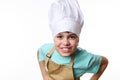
(65, 15)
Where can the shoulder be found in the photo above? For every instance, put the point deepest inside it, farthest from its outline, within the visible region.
(82, 52)
(85, 57)
(45, 47)
(43, 50)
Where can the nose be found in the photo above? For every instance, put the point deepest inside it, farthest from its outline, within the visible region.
(66, 42)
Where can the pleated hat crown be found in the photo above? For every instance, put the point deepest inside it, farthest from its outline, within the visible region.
(65, 15)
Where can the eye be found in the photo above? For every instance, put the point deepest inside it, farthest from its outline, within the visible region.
(72, 37)
(59, 36)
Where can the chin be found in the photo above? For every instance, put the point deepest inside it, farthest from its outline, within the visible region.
(65, 54)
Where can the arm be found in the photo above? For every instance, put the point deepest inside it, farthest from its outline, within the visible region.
(42, 68)
(103, 66)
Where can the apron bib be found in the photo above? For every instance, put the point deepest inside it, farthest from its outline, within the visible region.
(58, 71)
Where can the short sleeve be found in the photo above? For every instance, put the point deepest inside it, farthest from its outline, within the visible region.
(86, 62)
(95, 64)
(43, 50)
(41, 55)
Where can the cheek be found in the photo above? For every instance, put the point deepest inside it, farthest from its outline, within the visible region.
(75, 44)
(56, 42)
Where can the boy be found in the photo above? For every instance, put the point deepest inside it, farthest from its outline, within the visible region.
(63, 59)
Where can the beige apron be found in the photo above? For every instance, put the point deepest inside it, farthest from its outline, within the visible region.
(57, 71)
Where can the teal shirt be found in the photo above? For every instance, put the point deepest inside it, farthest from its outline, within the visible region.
(84, 62)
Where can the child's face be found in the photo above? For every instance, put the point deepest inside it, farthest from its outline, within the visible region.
(66, 43)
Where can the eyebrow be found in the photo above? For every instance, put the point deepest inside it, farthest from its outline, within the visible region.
(68, 33)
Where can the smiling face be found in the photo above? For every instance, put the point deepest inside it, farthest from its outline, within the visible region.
(66, 43)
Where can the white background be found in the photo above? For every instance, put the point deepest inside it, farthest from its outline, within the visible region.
(24, 28)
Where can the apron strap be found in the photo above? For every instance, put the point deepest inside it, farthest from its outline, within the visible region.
(48, 57)
(72, 60)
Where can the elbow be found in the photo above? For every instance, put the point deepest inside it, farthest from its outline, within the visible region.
(105, 61)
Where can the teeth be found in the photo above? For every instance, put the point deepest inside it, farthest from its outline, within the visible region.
(65, 48)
